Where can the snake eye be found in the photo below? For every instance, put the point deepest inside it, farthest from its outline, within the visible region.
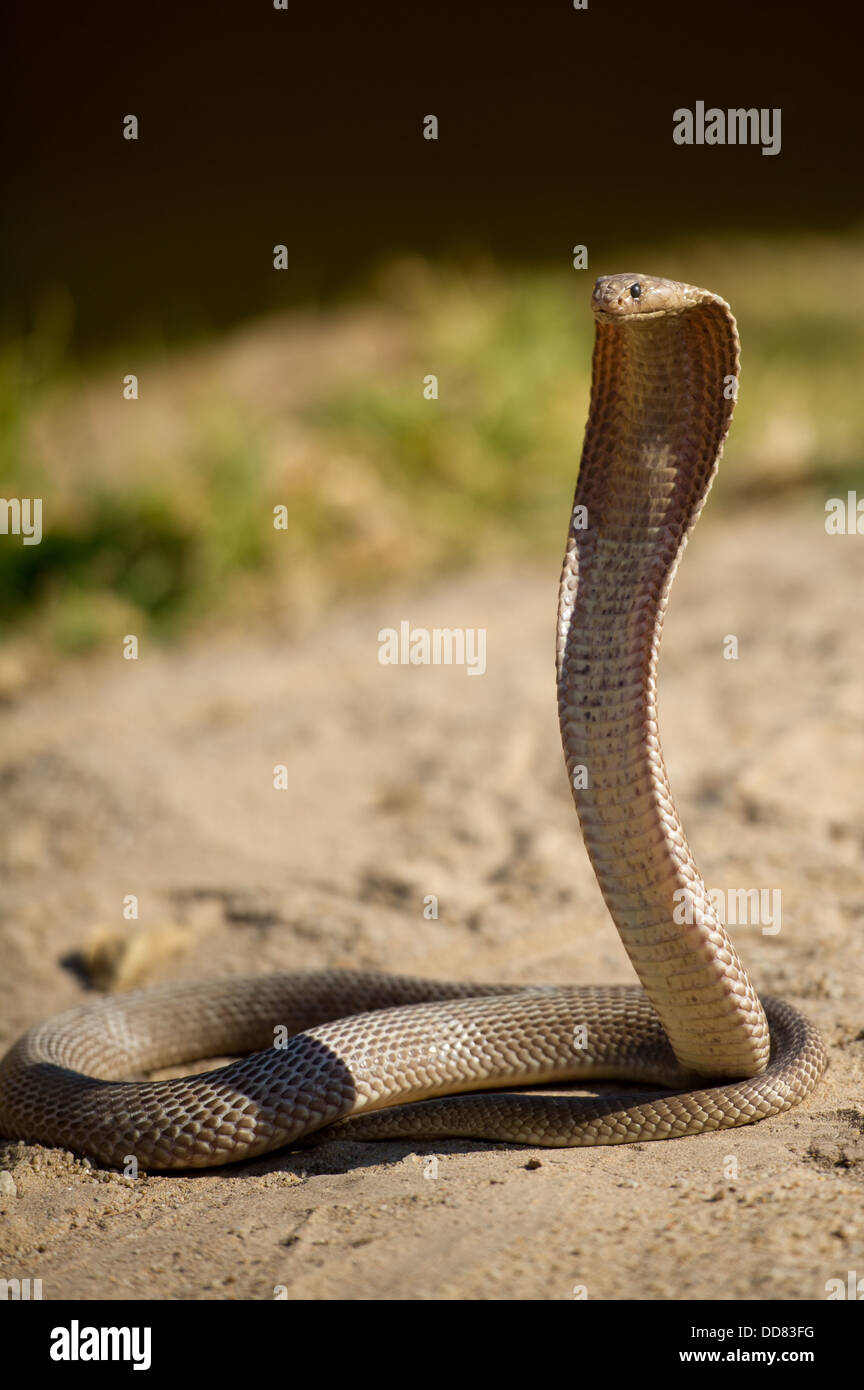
(636, 291)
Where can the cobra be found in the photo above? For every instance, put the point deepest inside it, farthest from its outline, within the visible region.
(373, 1056)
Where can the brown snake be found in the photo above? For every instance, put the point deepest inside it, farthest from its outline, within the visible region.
(662, 394)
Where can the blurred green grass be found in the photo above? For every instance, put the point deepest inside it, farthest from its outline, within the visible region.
(158, 513)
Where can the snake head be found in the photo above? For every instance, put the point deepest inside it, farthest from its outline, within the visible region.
(633, 295)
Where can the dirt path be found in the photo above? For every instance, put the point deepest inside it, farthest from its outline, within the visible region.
(154, 778)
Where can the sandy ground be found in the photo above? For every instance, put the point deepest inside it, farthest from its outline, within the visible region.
(155, 778)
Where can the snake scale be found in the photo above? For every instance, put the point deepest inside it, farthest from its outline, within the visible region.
(413, 1058)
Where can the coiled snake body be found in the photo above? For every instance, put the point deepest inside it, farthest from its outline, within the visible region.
(663, 387)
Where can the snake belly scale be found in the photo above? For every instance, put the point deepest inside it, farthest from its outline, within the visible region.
(374, 1056)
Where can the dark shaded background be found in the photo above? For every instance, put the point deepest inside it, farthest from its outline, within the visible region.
(258, 126)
